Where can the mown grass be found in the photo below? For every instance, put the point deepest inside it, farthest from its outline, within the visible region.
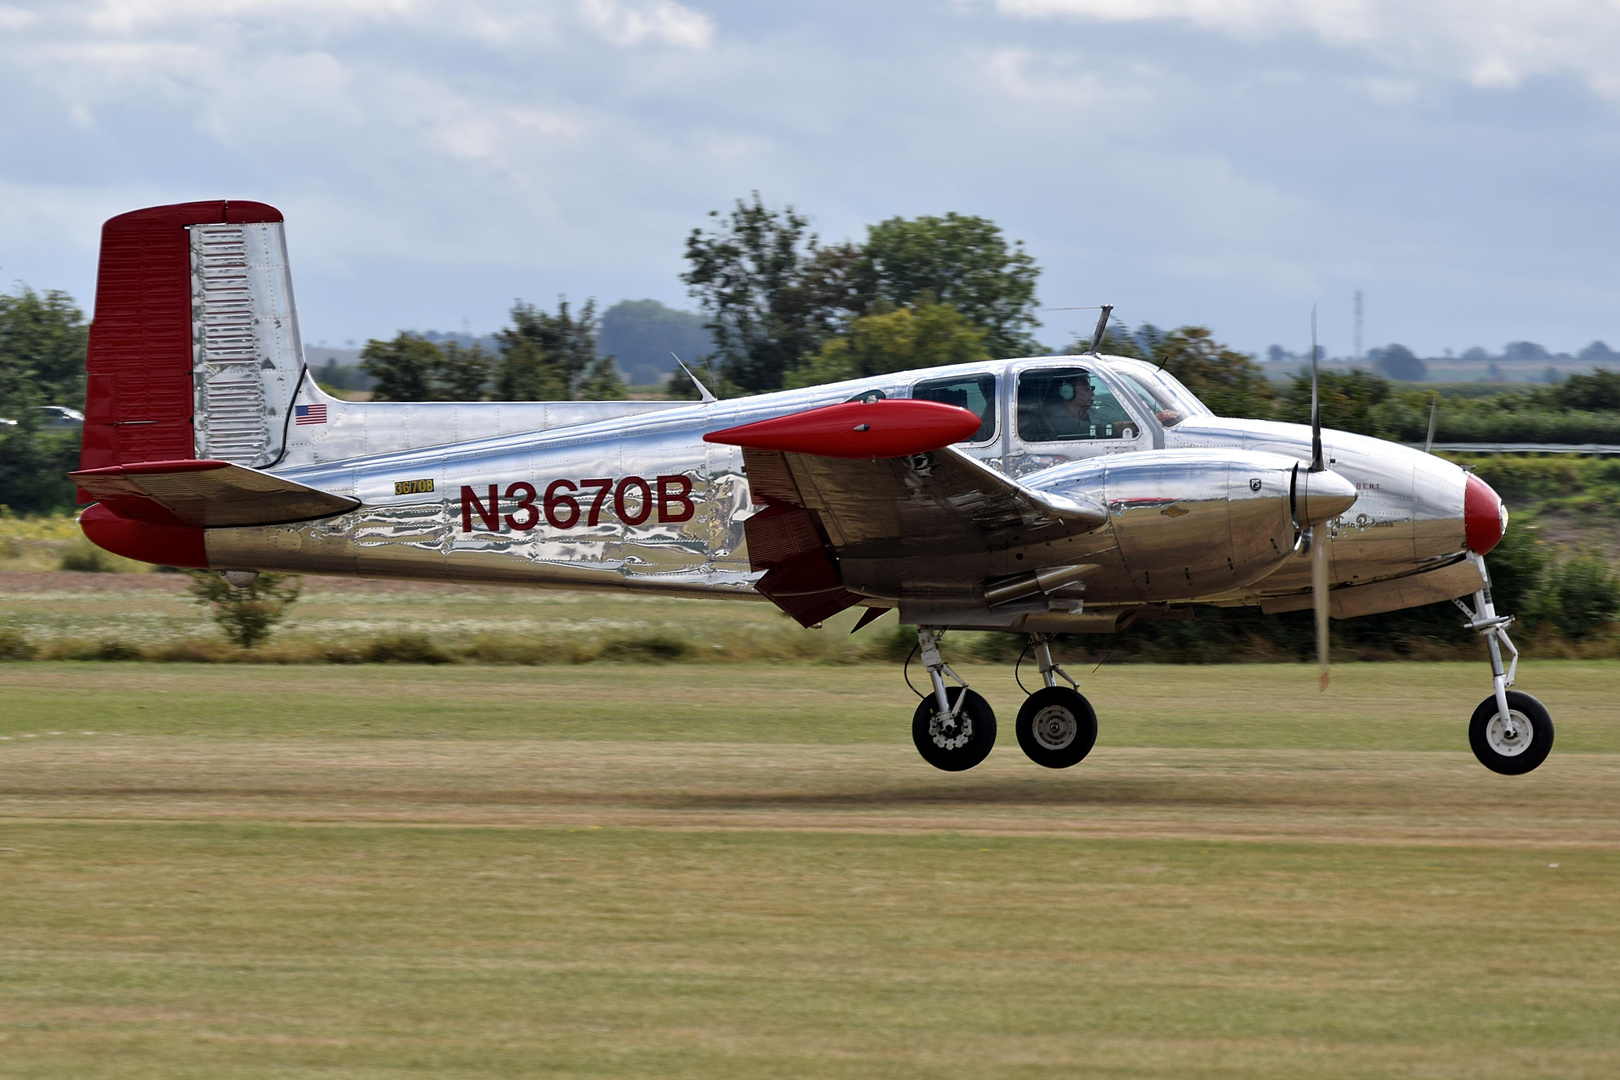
(723, 870)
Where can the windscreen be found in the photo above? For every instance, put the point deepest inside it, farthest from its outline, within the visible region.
(1161, 392)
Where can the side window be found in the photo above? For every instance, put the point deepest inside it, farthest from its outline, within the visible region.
(975, 393)
(1063, 404)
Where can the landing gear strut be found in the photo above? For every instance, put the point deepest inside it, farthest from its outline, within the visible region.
(954, 728)
(1056, 727)
(1511, 732)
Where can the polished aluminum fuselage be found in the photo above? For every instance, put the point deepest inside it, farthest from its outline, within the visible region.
(1199, 509)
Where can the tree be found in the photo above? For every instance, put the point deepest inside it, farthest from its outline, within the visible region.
(553, 354)
(959, 260)
(462, 373)
(1350, 402)
(42, 349)
(527, 374)
(645, 336)
(246, 615)
(1399, 363)
(931, 335)
(402, 369)
(772, 294)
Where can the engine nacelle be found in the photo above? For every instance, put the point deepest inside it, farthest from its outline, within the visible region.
(1197, 523)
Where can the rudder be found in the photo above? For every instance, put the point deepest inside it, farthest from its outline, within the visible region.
(194, 350)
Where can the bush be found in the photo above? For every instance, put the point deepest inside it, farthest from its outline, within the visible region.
(406, 649)
(1582, 595)
(14, 646)
(83, 557)
(656, 649)
(247, 614)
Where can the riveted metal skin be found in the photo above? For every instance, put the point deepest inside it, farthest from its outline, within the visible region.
(1197, 508)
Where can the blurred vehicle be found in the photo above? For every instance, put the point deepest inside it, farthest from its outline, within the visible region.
(60, 416)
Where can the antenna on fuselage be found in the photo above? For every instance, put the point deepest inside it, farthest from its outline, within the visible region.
(1102, 328)
(703, 391)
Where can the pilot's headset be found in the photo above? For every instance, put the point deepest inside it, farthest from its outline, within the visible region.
(1066, 388)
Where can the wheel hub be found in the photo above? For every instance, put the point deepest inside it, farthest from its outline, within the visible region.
(1055, 727)
(1510, 737)
(950, 734)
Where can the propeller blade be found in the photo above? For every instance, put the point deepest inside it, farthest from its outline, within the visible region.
(1434, 414)
(1317, 463)
(1319, 599)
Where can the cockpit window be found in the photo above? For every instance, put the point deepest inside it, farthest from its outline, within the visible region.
(1060, 404)
(1161, 392)
(975, 393)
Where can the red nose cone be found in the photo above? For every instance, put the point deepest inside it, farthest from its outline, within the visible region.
(1484, 517)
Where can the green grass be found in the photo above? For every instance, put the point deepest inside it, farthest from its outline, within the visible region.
(1370, 706)
(728, 870)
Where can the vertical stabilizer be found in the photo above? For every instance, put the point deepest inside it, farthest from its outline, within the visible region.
(194, 351)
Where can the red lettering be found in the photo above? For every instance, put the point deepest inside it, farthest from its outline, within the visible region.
(566, 502)
(675, 491)
(602, 488)
(643, 508)
(524, 494)
(490, 515)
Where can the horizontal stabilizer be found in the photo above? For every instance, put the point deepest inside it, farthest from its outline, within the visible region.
(211, 494)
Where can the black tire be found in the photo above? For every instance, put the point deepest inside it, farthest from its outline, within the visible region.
(945, 748)
(1511, 757)
(1057, 727)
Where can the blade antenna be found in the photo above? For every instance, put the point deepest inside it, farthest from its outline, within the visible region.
(1317, 464)
(1434, 414)
(703, 391)
(1102, 328)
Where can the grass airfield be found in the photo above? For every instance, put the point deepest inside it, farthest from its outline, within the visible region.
(730, 870)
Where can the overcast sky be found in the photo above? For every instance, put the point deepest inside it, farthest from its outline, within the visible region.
(1224, 162)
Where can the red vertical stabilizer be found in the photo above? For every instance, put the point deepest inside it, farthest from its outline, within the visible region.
(139, 397)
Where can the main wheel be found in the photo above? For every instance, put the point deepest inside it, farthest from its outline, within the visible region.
(954, 745)
(1057, 727)
(1517, 745)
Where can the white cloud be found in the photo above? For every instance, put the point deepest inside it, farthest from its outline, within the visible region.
(1488, 43)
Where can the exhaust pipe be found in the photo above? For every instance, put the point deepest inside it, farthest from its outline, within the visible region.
(1045, 580)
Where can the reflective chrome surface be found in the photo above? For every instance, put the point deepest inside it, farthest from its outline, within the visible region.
(1205, 519)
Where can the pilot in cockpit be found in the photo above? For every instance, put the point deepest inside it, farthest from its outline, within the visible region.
(1067, 412)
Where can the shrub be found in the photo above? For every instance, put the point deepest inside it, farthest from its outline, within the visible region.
(406, 649)
(14, 646)
(83, 557)
(246, 614)
(654, 648)
(1582, 595)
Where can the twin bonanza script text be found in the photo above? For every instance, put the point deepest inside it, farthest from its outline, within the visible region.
(567, 503)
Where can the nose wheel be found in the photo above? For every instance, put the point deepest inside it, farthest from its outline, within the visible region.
(1512, 744)
(1511, 732)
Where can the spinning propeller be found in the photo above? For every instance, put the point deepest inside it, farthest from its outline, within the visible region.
(1319, 566)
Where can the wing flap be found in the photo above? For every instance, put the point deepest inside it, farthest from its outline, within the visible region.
(211, 494)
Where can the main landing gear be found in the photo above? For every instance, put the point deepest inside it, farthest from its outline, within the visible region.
(1511, 732)
(955, 728)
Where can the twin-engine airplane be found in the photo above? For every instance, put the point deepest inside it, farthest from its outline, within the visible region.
(1040, 496)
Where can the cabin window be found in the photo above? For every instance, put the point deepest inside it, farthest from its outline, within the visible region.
(1065, 404)
(975, 393)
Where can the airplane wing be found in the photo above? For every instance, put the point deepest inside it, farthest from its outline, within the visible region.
(879, 480)
(207, 493)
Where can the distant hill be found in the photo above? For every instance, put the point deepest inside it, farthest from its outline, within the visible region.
(641, 334)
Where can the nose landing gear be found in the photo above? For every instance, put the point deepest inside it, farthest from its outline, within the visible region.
(1510, 732)
(1056, 727)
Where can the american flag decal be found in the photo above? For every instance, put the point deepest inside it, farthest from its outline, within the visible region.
(309, 414)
